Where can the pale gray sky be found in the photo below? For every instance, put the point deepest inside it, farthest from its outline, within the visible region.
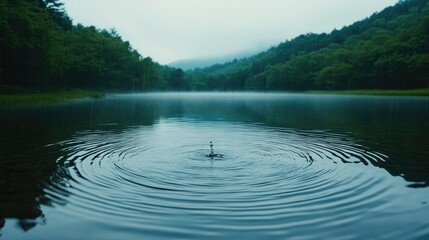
(170, 30)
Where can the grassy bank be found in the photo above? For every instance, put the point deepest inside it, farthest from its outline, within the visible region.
(37, 98)
(378, 92)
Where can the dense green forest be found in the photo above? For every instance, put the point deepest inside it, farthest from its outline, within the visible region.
(389, 50)
(40, 48)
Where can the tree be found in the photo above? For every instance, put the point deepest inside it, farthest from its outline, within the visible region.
(58, 13)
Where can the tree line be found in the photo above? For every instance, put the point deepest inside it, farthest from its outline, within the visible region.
(389, 50)
(41, 48)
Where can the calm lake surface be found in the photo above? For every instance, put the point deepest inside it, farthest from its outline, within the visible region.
(294, 166)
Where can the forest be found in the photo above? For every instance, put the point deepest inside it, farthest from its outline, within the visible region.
(389, 50)
(41, 48)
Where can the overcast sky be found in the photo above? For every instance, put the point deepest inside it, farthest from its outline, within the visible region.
(170, 30)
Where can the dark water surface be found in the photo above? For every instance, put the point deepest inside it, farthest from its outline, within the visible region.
(294, 166)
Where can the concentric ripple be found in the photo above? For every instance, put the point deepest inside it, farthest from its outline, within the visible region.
(272, 183)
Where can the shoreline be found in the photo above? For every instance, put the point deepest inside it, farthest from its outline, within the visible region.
(62, 95)
(422, 92)
(39, 98)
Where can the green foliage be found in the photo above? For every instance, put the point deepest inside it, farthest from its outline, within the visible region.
(388, 50)
(26, 36)
(40, 48)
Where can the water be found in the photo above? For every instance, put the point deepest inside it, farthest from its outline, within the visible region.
(294, 166)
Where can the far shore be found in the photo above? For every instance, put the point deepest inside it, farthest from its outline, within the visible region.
(377, 92)
(46, 97)
(62, 95)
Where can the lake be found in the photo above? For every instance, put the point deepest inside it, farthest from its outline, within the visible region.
(135, 166)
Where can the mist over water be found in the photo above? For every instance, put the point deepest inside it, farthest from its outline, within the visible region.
(294, 166)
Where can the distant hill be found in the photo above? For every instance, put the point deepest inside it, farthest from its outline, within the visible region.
(189, 64)
(388, 50)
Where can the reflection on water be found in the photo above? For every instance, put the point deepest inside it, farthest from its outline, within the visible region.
(294, 166)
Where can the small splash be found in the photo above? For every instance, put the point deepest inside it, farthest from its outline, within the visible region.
(212, 154)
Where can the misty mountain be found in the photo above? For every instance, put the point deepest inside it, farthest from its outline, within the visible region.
(189, 64)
